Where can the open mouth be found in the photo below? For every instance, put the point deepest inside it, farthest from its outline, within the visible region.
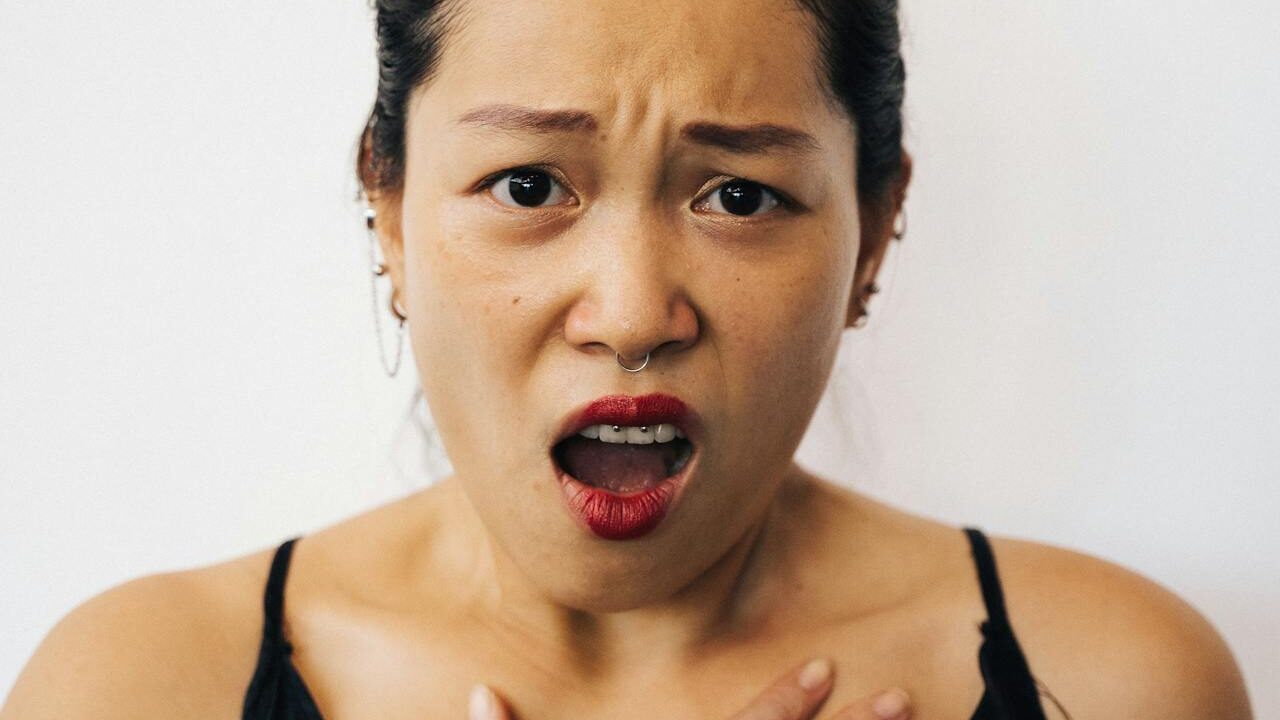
(623, 460)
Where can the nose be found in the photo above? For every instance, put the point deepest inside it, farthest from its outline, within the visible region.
(635, 299)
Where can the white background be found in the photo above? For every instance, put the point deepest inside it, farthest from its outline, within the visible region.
(1076, 343)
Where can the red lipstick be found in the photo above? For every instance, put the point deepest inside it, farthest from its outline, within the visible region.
(617, 516)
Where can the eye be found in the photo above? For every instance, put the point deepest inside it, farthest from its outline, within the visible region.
(744, 198)
(524, 188)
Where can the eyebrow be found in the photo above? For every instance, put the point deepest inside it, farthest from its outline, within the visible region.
(750, 139)
(743, 139)
(515, 117)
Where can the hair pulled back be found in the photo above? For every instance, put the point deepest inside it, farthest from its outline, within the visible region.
(859, 42)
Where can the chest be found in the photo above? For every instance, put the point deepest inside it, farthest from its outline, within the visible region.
(423, 676)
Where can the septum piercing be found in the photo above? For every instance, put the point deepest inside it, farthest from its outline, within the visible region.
(633, 370)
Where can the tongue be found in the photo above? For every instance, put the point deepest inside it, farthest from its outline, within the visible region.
(617, 467)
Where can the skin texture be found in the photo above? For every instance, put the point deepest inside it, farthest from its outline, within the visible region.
(515, 315)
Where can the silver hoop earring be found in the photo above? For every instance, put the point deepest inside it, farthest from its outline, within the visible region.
(636, 370)
(899, 234)
(378, 270)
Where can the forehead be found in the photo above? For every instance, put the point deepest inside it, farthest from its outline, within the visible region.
(743, 59)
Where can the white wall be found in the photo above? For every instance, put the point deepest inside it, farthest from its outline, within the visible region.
(1076, 344)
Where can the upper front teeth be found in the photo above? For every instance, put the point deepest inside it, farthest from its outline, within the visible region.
(641, 435)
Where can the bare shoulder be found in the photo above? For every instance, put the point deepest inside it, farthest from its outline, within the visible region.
(178, 644)
(1109, 642)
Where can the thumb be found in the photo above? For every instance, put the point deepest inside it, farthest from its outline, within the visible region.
(484, 704)
(893, 704)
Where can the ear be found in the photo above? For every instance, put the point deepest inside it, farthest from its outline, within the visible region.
(390, 239)
(876, 225)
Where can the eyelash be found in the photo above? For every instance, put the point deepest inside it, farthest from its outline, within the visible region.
(784, 201)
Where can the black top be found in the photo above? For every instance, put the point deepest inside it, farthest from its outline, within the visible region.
(277, 691)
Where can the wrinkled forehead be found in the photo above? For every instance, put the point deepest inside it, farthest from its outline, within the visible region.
(748, 60)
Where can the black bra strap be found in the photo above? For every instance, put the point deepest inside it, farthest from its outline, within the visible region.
(1011, 688)
(992, 595)
(273, 598)
(275, 689)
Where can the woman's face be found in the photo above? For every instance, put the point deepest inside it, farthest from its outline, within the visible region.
(624, 239)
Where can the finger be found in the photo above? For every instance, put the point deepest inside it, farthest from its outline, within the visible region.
(894, 704)
(484, 704)
(795, 696)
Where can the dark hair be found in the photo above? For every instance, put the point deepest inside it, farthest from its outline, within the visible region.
(859, 42)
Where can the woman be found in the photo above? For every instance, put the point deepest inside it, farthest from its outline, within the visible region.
(627, 239)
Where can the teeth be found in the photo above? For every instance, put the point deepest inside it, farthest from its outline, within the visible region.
(641, 435)
(609, 434)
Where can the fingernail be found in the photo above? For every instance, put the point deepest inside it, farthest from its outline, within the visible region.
(480, 706)
(891, 704)
(815, 674)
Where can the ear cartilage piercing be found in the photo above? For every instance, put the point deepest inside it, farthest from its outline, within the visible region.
(397, 310)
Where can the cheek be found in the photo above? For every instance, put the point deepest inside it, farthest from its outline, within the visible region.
(472, 338)
(468, 293)
(784, 321)
(780, 327)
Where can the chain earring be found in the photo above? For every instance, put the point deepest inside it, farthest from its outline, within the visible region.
(899, 234)
(378, 269)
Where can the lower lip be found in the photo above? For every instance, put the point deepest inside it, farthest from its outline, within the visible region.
(612, 516)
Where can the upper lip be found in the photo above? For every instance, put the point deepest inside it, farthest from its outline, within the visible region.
(634, 410)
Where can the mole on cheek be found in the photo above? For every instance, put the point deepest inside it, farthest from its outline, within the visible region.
(515, 300)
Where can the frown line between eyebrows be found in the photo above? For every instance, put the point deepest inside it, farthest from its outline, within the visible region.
(754, 139)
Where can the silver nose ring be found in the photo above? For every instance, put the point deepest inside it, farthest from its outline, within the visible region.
(634, 370)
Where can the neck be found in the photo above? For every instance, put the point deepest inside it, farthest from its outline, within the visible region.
(727, 599)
